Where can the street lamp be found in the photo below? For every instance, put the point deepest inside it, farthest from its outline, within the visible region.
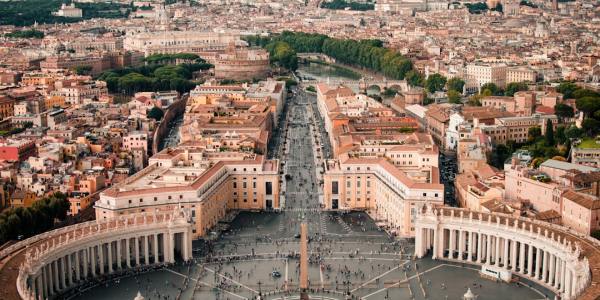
(259, 290)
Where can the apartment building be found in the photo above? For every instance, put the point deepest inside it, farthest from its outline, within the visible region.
(586, 152)
(520, 74)
(207, 188)
(516, 128)
(483, 73)
(391, 196)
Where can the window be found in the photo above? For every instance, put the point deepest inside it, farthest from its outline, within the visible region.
(334, 187)
(269, 188)
(235, 185)
(129, 201)
(244, 184)
(424, 194)
(169, 197)
(254, 184)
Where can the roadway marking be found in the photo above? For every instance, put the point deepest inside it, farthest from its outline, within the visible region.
(232, 280)
(403, 281)
(377, 277)
(286, 274)
(206, 283)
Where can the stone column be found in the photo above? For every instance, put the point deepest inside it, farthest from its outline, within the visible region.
(172, 247)
(488, 250)
(436, 241)
(513, 256)
(557, 268)
(479, 248)
(39, 286)
(461, 244)
(188, 245)
(63, 272)
(563, 276)
(119, 259)
(505, 254)
(521, 258)
(137, 251)
(451, 244)
(127, 253)
(155, 249)
(545, 267)
(552, 269)
(101, 252)
(470, 253)
(84, 266)
(45, 281)
(93, 257)
(109, 261)
(538, 261)
(146, 251)
(497, 256)
(418, 242)
(55, 279)
(77, 266)
(568, 281)
(69, 270)
(166, 257)
(530, 260)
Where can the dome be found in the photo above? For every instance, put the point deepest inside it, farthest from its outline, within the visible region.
(139, 296)
(469, 295)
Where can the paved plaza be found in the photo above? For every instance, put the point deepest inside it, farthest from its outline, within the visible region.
(349, 254)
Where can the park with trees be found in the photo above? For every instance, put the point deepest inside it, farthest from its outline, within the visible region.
(28, 221)
(153, 77)
(368, 54)
(26, 13)
(351, 5)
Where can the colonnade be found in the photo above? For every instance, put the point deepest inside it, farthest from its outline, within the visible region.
(512, 244)
(96, 253)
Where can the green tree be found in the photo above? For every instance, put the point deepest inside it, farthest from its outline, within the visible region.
(343, 4)
(82, 70)
(573, 132)
(414, 78)
(563, 111)
(456, 83)
(561, 137)
(435, 82)
(580, 93)
(588, 105)
(156, 113)
(494, 89)
(514, 87)
(549, 134)
(499, 155)
(454, 97)
(567, 88)
(534, 133)
(283, 54)
(26, 34)
(591, 126)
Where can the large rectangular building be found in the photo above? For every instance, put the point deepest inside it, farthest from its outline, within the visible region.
(206, 187)
(389, 195)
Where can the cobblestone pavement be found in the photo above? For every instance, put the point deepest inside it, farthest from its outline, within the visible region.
(349, 254)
